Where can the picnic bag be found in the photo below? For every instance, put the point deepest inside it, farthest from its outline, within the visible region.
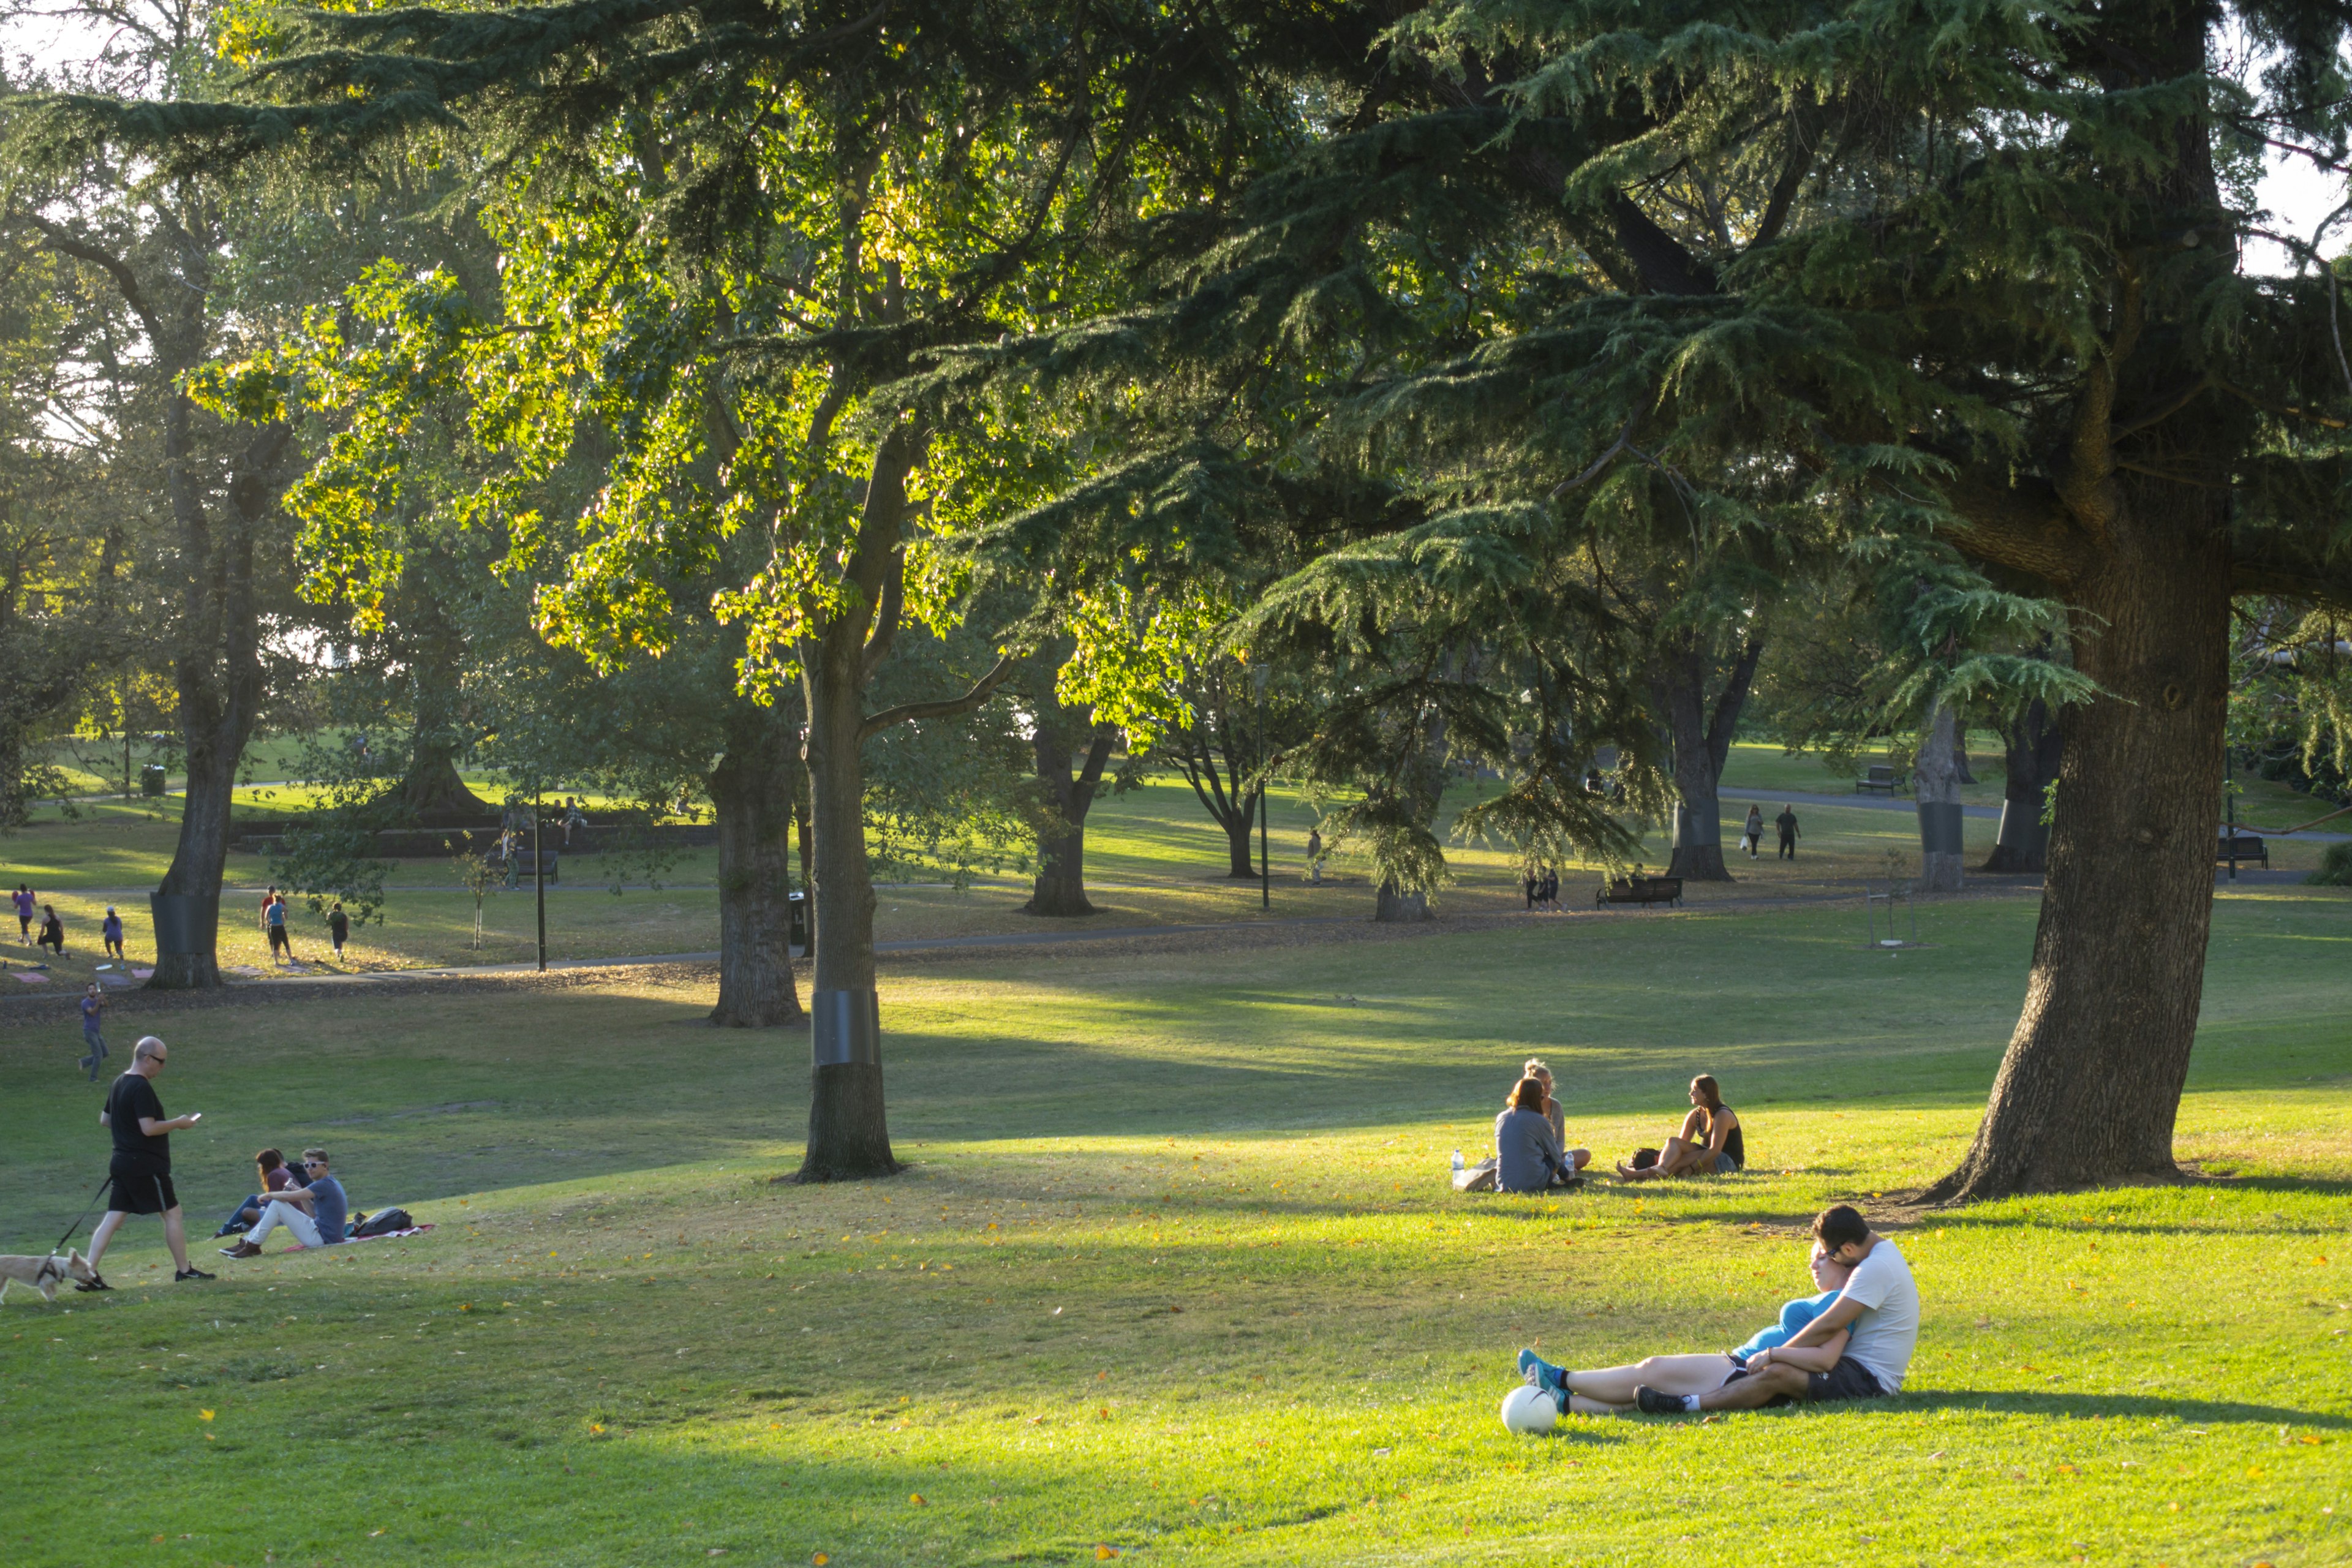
(384, 1222)
(1477, 1178)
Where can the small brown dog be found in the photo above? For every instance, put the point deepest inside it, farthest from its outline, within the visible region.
(45, 1274)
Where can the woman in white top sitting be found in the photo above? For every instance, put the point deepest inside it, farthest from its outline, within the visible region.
(1575, 1159)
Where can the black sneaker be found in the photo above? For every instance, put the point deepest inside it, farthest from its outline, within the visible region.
(187, 1274)
(1650, 1402)
(96, 1282)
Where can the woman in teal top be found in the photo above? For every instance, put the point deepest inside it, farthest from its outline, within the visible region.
(1608, 1391)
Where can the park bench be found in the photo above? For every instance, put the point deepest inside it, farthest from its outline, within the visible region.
(2242, 848)
(527, 864)
(1881, 780)
(1640, 891)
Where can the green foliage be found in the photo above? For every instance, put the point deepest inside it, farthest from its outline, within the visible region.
(2335, 868)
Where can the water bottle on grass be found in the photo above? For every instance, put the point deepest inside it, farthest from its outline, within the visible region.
(1458, 1160)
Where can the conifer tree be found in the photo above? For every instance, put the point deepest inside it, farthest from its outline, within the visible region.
(1917, 269)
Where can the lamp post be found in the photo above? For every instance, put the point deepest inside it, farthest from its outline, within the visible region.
(1264, 861)
(538, 872)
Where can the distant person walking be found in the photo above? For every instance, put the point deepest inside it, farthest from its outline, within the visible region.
(93, 1007)
(1786, 823)
(112, 933)
(23, 898)
(1315, 855)
(1752, 835)
(141, 1169)
(273, 919)
(53, 930)
(339, 927)
(1532, 884)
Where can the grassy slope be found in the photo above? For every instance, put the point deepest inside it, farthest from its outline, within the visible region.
(1177, 1269)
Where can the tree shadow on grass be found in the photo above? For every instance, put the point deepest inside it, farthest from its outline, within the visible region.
(2115, 1407)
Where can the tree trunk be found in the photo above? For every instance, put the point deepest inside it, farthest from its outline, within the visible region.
(1061, 886)
(849, 1131)
(1935, 785)
(752, 795)
(1392, 908)
(216, 669)
(1701, 733)
(2092, 1080)
(2032, 748)
(433, 785)
(1240, 854)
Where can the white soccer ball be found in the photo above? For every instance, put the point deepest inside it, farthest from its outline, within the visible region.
(1528, 1411)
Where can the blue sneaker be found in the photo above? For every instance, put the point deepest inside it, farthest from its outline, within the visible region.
(1542, 1374)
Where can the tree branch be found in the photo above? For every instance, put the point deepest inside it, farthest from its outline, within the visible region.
(981, 691)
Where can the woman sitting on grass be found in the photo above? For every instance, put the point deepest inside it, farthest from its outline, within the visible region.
(1527, 1156)
(1608, 1391)
(1709, 1143)
(1574, 1158)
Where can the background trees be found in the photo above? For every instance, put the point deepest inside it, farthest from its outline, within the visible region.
(1505, 363)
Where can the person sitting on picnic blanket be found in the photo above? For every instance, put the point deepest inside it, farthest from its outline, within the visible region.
(1608, 1391)
(276, 1175)
(1710, 1142)
(1526, 1157)
(317, 1214)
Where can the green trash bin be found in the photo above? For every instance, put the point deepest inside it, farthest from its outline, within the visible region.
(151, 781)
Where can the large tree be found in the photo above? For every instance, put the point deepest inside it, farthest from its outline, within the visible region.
(1987, 290)
(743, 241)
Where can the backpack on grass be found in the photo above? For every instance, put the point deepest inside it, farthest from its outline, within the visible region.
(384, 1222)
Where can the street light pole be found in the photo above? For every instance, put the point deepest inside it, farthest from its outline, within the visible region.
(1264, 861)
(539, 870)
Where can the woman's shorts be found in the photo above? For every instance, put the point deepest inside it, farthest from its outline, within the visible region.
(144, 1191)
(1724, 1164)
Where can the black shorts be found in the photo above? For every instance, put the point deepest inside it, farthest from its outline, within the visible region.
(277, 938)
(1847, 1380)
(141, 1191)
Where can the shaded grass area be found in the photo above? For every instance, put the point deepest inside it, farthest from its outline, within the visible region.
(1177, 1273)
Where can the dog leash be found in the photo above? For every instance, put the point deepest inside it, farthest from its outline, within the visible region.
(85, 1213)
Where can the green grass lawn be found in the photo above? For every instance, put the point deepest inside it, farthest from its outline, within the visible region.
(1177, 1273)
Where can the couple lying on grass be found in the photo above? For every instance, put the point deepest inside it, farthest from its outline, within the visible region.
(1853, 1340)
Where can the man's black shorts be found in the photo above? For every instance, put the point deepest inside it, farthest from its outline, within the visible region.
(141, 1191)
(1847, 1380)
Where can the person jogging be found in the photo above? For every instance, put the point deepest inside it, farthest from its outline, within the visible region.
(23, 898)
(112, 933)
(140, 1170)
(93, 1005)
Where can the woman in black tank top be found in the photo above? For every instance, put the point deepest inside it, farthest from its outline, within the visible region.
(1710, 1142)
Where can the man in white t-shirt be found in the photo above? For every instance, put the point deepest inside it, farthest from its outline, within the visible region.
(1878, 1311)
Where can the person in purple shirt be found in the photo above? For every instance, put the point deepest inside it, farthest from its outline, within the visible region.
(23, 898)
(112, 932)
